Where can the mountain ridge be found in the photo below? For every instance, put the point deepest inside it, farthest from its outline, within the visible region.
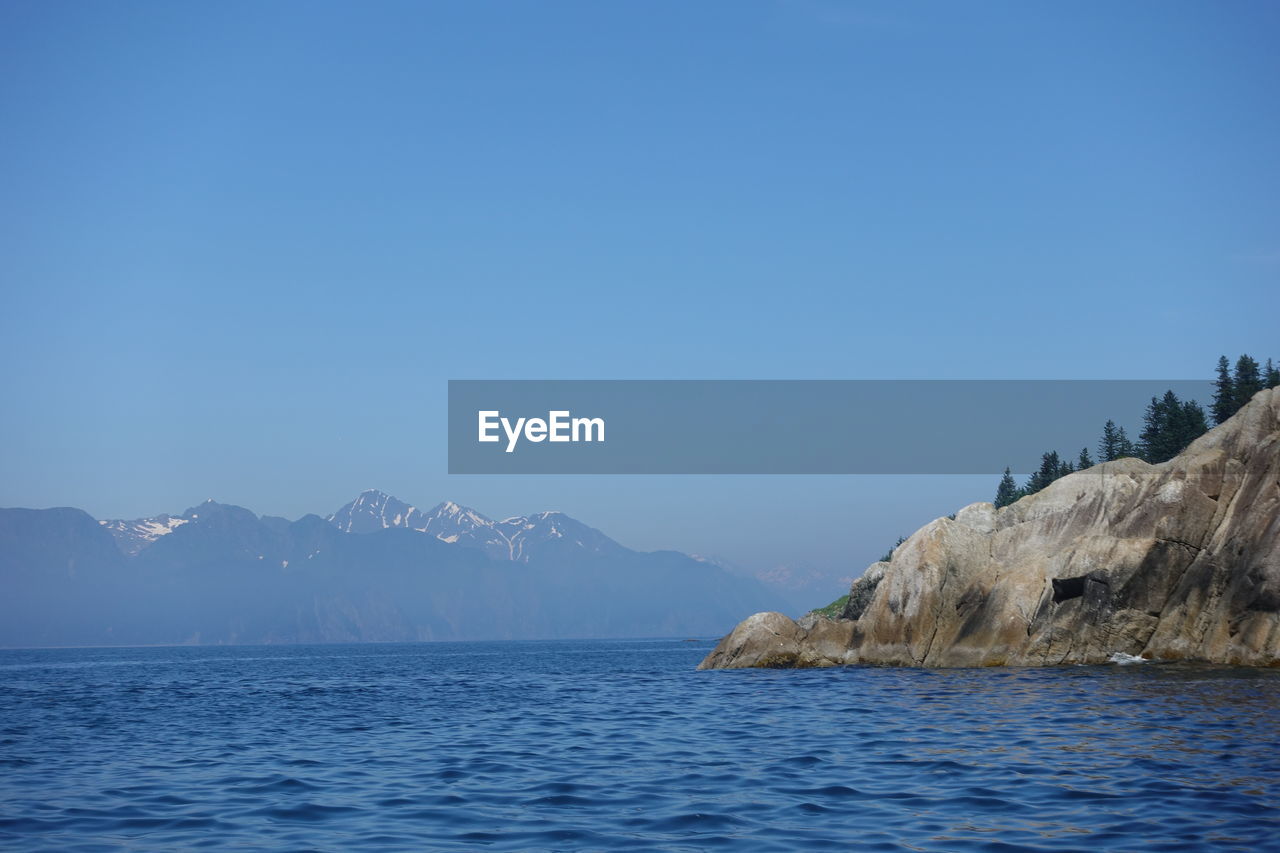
(227, 575)
(516, 538)
(513, 538)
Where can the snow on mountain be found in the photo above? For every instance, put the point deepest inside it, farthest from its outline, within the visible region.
(374, 510)
(462, 525)
(230, 576)
(720, 563)
(136, 535)
(543, 532)
(517, 538)
(132, 535)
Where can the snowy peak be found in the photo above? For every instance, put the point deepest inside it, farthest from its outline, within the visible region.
(132, 535)
(452, 513)
(543, 535)
(456, 524)
(449, 522)
(553, 534)
(516, 539)
(374, 510)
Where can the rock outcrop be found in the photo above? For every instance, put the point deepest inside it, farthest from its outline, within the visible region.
(1176, 561)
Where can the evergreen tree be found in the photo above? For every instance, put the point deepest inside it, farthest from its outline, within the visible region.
(1191, 425)
(1272, 375)
(1170, 425)
(1124, 445)
(1085, 460)
(1247, 381)
(1224, 392)
(1007, 492)
(1115, 443)
(1109, 446)
(1155, 441)
(888, 555)
(1051, 468)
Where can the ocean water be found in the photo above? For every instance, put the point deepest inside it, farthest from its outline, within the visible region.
(622, 746)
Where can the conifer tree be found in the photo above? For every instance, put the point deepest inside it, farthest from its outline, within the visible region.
(1115, 443)
(1109, 446)
(1050, 469)
(1170, 425)
(888, 555)
(1125, 446)
(1272, 375)
(1247, 381)
(1224, 392)
(1191, 425)
(1155, 440)
(1007, 492)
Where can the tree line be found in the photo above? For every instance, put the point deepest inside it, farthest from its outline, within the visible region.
(1169, 425)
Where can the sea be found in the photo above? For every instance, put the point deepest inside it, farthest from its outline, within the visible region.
(623, 745)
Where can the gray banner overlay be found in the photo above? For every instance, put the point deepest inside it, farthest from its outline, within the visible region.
(791, 426)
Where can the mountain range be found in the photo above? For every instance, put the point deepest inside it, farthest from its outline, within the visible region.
(378, 569)
(524, 537)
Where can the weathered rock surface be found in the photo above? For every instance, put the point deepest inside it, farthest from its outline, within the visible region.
(1176, 561)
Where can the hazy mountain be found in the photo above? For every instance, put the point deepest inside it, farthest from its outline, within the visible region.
(374, 510)
(542, 535)
(554, 535)
(132, 535)
(378, 569)
(59, 570)
(796, 590)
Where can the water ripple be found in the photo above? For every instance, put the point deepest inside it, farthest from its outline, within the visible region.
(622, 746)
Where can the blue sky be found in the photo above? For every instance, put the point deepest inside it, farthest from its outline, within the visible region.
(243, 245)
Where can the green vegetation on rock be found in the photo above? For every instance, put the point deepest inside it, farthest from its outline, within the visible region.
(832, 610)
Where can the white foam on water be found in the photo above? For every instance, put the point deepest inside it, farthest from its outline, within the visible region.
(1124, 659)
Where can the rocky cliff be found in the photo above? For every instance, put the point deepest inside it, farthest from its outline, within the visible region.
(1176, 561)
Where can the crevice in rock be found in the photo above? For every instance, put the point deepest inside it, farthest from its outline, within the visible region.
(1065, 589)
(1181, 543)
(937, 614)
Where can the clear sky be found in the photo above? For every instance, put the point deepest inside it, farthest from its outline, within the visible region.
(244, 245)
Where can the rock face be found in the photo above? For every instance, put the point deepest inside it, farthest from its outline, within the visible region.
(1176, 561)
